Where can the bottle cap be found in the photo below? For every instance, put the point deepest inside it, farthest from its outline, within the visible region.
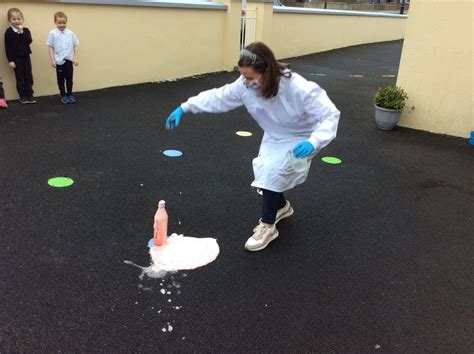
(161, 203)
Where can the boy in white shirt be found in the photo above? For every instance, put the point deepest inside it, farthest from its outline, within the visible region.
(63, 51)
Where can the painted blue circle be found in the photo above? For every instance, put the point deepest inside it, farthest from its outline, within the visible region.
(151, 242)
(172, 153)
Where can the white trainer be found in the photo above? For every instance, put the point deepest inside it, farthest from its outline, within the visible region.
(284, 212)
(263, 234)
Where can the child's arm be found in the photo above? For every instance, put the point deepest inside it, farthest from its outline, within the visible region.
(51, 55)
(27, 36)
(9, 49)
(76, 54)
(50, 44)
(75, 43)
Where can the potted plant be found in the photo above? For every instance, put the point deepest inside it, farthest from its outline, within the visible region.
(389, 103)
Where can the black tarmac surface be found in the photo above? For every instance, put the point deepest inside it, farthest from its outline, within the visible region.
(378, 256)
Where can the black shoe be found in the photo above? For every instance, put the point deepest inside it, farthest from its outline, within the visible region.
(31, 99)
(24, 100)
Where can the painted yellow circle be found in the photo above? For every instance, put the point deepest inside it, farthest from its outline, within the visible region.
(242, 133)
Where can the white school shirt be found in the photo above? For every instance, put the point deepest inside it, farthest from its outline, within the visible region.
(63, 43)
(300, 111)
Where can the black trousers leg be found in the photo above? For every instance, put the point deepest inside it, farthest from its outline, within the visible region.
(272, 201)
(24, 77)
(68, 74)
(61, 77)
(2, 93)
(20, 77)
(29, 77)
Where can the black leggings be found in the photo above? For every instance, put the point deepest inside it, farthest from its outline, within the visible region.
(272, 201)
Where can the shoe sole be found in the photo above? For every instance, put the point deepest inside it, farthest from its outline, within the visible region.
(275, 235)
(285, 215)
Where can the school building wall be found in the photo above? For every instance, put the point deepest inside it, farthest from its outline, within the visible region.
(436, 67)
(309, 30)
(121, 45)
(127, 42)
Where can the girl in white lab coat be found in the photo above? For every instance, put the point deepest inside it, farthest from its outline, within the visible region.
(297, 118)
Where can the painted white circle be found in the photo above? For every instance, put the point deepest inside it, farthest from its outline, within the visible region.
(243, 133)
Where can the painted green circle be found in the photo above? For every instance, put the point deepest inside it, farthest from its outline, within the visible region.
(60, 182)
(331, 160)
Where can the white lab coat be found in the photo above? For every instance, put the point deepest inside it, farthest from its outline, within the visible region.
(300, 111)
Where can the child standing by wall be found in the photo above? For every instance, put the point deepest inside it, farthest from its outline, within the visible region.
(17, 48)
(63, 51)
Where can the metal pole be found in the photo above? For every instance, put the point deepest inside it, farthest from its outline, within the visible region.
(402, 7)
(243, 24)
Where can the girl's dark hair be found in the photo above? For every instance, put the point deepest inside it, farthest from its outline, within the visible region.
(264, 63)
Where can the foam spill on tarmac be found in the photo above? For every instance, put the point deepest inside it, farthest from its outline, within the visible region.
(179, 253)
(183, 252)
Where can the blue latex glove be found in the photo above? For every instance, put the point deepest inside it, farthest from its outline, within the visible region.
(174, 118)
(303, 149)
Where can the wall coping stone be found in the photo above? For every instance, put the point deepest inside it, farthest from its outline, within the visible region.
(188, 4)
(301, 10)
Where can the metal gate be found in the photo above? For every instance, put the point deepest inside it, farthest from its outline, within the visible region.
(248, 26)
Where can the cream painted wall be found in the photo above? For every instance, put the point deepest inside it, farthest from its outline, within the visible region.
(436, 67)
(264, 23)
(121, 45)
(299, 34)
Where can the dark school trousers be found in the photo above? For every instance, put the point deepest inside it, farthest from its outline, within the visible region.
(272, 201)
(24, 77)
(64, 74)
(2, 93)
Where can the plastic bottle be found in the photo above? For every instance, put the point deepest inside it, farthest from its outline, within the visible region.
(160, 225)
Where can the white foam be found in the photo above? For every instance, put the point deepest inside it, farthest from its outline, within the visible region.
(183, 252)
(148, 271)
(179, 253)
